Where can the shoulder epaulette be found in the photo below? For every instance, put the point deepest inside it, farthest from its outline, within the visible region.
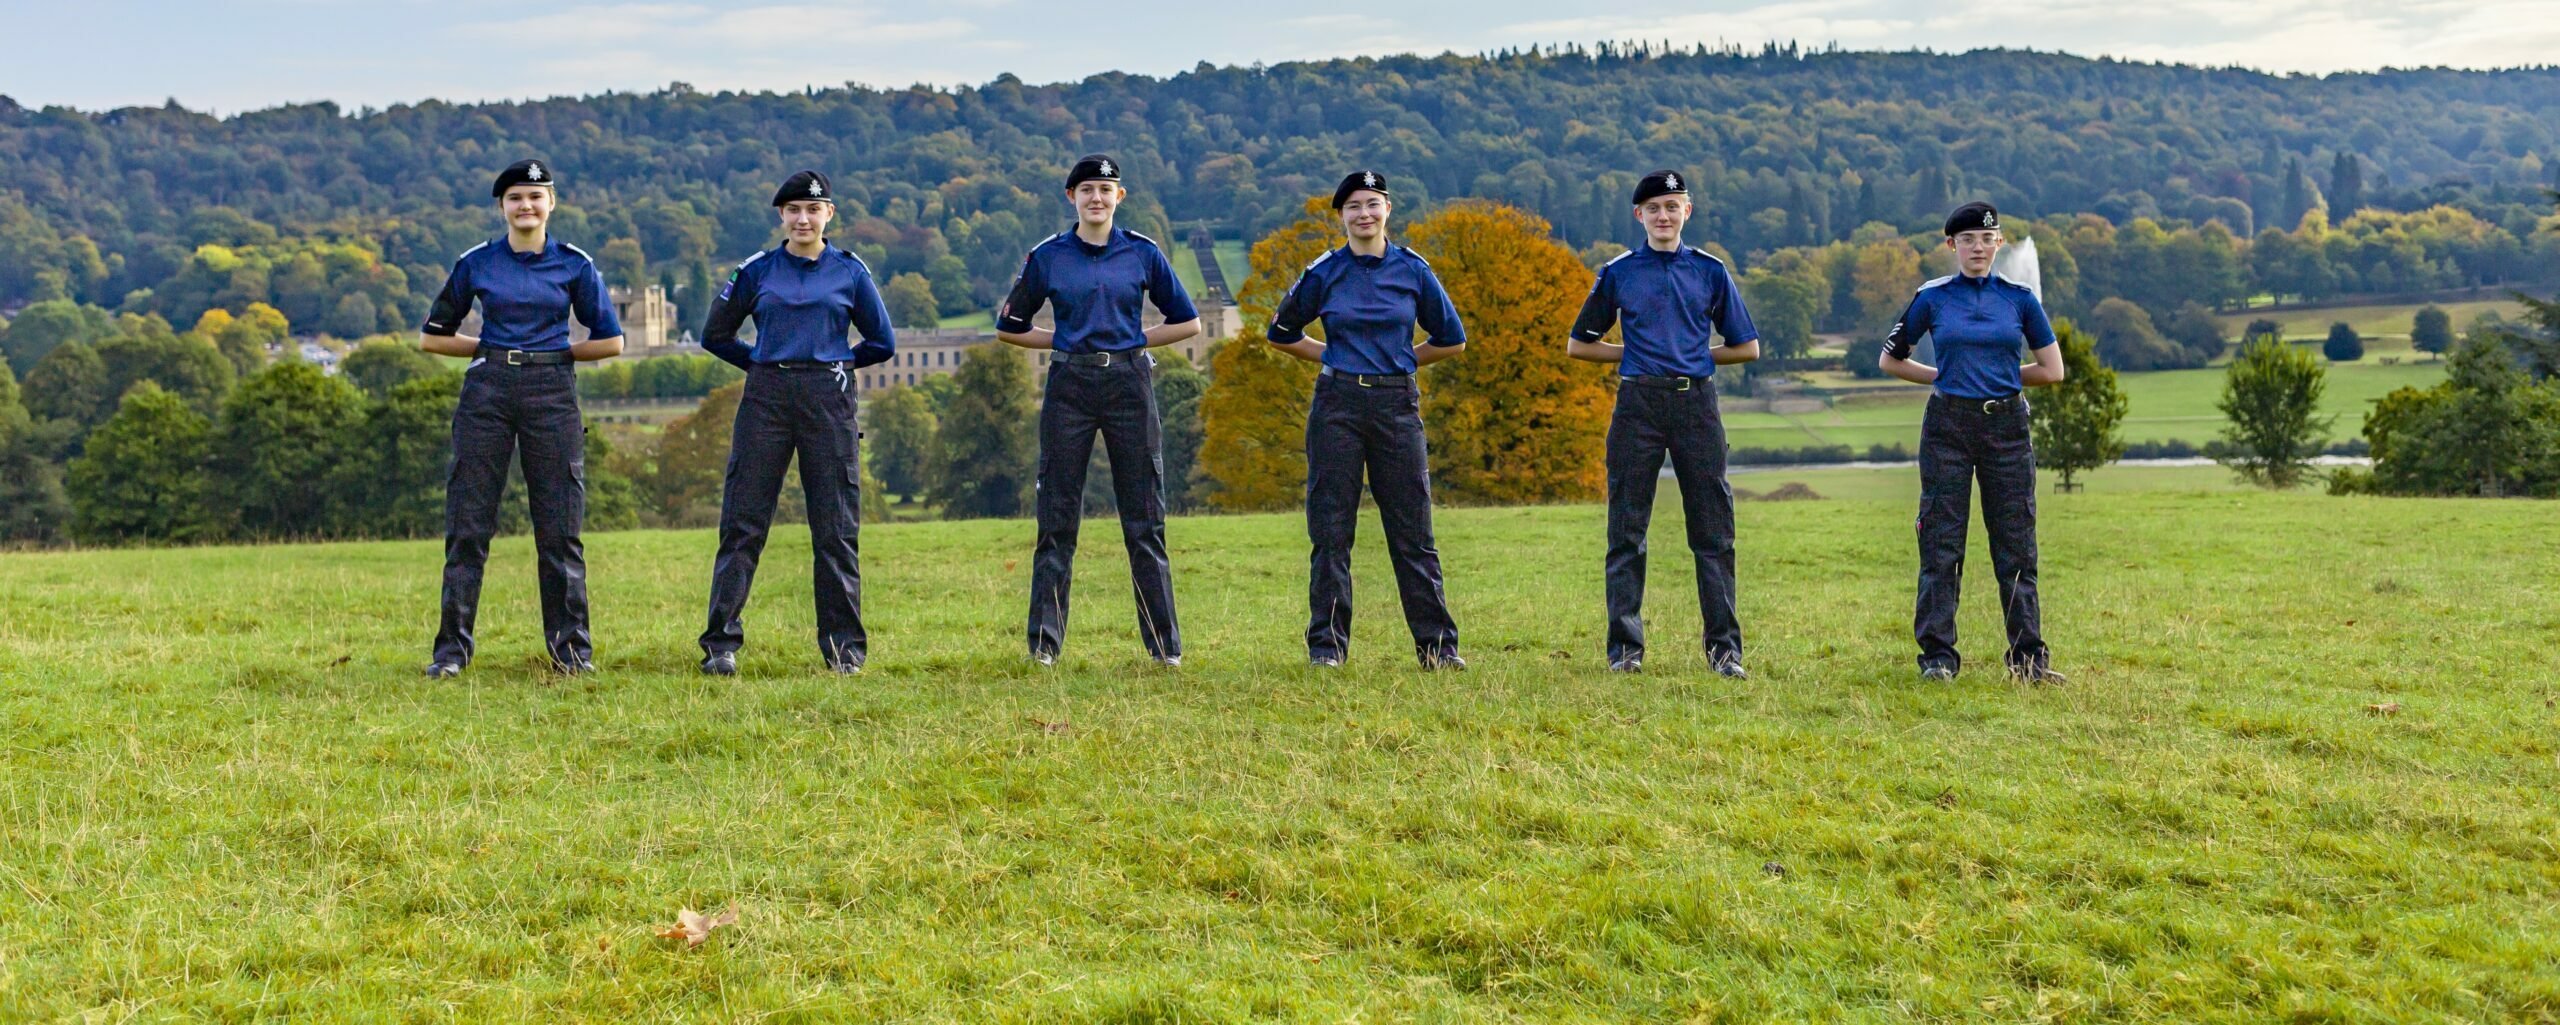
(582, 254)
(1933, 283)
(466, 254)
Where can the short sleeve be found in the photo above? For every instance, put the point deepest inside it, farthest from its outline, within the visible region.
(2033, 323)
(1731, 316)
(1298, 309)
(1030, 291)
(594, 308)
(1916, 321)
(1165, 289)
(453, 304)
(1599, 310)
(1436, 314)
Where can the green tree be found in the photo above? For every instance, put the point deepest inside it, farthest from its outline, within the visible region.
(2271, 396)
(900, 426)
(37, 329)
(2197, 331)
(2432, 331)
(33, 507)
(2485, 430)
(2076, 424)
(2126, 339)
(2343, 345)
(622, 263)
(382, 364)
(1179, 389)
(987, 446)
(693, 456)
(911, 303)
(142, 475)
(70, 384)
(354, 316)
(389, 482)
(1784, 308)
(144, 349)
(281, 433)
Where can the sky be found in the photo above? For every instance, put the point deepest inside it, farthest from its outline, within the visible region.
(238, 55)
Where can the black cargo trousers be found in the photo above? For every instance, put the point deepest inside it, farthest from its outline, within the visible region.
(1113, 395)
(1962, 440)
(808, 409)
(1675, 417)
(510, 405)
(1372, 424)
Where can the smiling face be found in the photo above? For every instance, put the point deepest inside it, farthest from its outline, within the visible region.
(1974, 250)
(1096, 200)
(1663, 217)
(1364, 215)
(528, 207)
(804, 221)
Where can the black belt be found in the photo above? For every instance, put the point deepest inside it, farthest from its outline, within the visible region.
(1368, 380)
(1985, 406)
(1668, 383)
(801, 364)
(1100, 359)
(521, 358)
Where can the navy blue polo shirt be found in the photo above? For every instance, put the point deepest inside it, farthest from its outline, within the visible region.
(1670, 302)
(1979, 324)
(802, 309)
(1098, 291)
(1370, 306)
(525, 299)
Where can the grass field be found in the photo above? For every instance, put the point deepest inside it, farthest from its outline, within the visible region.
(2164, 405)
(2385, 321)
(229, 797)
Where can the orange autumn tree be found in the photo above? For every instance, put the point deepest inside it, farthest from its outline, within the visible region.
(1511, 419)
(1254, 416)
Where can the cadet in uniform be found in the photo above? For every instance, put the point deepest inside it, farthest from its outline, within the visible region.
(1101, 380)
(1671, 298)
(1367, 415)
(520, 393)
(803, 295)
(1976, 426)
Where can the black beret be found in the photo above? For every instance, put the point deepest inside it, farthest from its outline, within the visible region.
(1093, 167)
(523, 172)
(804, 185)
(1359, 181)
(1972, 217)
(1660, 183)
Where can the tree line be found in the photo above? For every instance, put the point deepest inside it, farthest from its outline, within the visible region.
(346, 220)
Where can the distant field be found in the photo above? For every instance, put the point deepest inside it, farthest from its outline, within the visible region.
(2166, 405)
(229, 797)
(2370, 321)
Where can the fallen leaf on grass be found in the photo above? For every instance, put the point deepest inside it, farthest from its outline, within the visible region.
(1050, 728)
(1945, 799)
(1775, 869)
(693, 927)
(1559, 654)
(341, 660)
(2385, 708)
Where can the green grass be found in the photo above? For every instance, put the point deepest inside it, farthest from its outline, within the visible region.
(1186, 265)
(975, 319)
(2165, 405)
(228, 796)
(2387, 321)
(1231, 261)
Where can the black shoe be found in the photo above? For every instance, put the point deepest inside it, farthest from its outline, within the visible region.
(579, 667)
(1325, 661)
(1937, 674)
(720, 663)
(443, 670)
(1729, 666)
(1627, 664)
(1449, 661)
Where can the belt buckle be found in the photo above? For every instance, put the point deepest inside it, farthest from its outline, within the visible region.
(515, 357)
(1684, 384)
(1106, 359)
(1364, 380)
(1994, 405)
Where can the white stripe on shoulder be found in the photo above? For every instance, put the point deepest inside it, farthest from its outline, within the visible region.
(1702, 252)
(466, 254)
(742, 264)
(1417, 257)
(1933, 283)
(1141, 238)
(1328, 254)
(1620, 256)
(582, 254)
(850, 254)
